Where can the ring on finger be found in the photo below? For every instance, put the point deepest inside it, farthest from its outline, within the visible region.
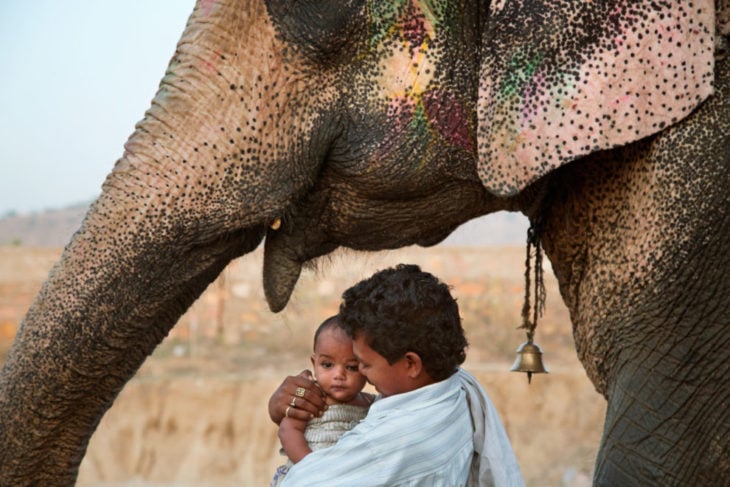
(286, 413)
(293, 402)
(300, 392)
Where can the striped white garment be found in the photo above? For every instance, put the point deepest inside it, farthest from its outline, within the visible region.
(424, 437)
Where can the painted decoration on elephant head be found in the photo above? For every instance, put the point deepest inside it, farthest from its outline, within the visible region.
(408, 74)
(401, 69)
(563, 79)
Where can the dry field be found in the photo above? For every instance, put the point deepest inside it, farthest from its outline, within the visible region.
(195, 413)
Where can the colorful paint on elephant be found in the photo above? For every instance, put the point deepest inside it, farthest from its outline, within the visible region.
(416, 101)
(414, 19)
(448, 117)
(400, 36)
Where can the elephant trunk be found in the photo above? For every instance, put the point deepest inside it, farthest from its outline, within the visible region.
(188, 196)
(111, 299)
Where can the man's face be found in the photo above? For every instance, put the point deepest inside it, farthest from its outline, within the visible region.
(386, 378)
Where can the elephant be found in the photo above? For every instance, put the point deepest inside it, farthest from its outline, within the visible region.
(372, 125)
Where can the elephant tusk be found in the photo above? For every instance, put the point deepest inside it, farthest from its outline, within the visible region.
(276, 224)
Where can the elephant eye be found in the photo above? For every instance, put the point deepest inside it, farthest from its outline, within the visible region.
(323, 30)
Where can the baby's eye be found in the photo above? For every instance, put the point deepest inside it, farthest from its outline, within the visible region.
(326, 365)
(352, 368)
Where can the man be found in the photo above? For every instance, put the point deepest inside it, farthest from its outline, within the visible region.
(433, 424)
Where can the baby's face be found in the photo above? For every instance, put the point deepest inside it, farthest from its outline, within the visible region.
(335, 365)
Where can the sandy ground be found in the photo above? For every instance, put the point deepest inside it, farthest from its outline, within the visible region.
(195, 414)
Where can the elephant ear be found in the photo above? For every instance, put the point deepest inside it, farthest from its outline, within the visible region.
(563, 79)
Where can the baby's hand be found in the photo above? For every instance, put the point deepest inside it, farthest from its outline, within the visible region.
(293, 424)
(291, 435)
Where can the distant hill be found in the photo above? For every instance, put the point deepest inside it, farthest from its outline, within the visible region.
(54, 228)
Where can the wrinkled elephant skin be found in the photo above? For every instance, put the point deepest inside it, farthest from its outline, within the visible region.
(371, 125)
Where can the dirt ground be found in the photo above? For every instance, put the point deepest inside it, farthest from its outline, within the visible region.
(195, 414)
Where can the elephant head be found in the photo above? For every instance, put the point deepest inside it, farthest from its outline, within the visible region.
(372, 125)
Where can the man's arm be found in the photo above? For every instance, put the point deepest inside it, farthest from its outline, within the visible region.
(347, 462)
(291, 435)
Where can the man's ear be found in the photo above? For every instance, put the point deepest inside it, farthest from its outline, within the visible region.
(414, 365)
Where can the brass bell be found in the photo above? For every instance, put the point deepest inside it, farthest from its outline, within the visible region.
(529, 359)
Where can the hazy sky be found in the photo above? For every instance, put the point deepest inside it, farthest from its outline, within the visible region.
(75, 76)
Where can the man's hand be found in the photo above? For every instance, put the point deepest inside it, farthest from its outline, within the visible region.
(298, 397)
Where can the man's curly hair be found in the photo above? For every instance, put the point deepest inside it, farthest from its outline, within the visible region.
(404, 309)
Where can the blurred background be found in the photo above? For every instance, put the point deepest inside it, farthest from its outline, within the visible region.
(75, 76)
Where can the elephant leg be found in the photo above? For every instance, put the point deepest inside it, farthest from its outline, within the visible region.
(638, 241)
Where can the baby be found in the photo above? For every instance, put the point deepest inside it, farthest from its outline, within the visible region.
(336, 372)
